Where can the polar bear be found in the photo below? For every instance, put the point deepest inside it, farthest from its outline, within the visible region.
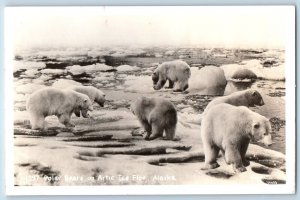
(51, 101)
(229, 129)
(156, 115)
(93, 93)
(248, 98)
(176, 72)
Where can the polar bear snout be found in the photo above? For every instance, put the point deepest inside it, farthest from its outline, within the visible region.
(186, 87)
(267, 140)
(90, 108)
(100, 103)
(157, 87)
(261, 103)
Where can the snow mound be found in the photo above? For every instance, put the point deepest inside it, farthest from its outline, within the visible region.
(77, 69)
(271, 73)
(139, 84)
(127, 68)
(31, 73)
(53, 71)
(210, 80)
(28, 88)
(19, 65)
(244, 74)
(64, 83)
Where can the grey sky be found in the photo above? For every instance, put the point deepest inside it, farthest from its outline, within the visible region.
(205, 26)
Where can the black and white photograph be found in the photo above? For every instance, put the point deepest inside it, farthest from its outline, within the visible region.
(150, 100)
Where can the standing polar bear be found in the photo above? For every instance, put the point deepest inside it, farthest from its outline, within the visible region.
(156, 115)
(93, 93)
(177, 72)
(229, 129)
(51, 101)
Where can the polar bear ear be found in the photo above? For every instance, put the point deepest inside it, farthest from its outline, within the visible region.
(85, 101)
(253, 92)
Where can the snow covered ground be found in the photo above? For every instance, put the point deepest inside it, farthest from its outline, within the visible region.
(111, 147)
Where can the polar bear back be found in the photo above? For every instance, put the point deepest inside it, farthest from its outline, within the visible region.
(93, 93)
(52, 101)
(224, 121)
(175, 70)
(247, 98)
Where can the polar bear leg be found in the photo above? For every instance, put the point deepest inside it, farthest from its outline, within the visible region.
(65, 119)
(160, 84)
(77, 112)
(157, 131)
(243, 150)
(170, 132)
(38, 122)
(147, 128)
(181, 86)
(233, 156)
(211, 154)
(171, 84)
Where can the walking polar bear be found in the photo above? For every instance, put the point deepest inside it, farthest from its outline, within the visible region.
(156, 115)
(177, 72)
(51, 101)
(229, 129)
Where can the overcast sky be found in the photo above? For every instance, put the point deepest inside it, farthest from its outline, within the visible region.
(206, 26)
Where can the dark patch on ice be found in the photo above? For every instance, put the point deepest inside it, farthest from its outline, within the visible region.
(24, 131)
(277, 94)
(56, 147)
(141, 151)
(266, 160)
(198, 102)
(24, 164)
(193, 158)
(89, 138)
(283, 169)
(105, 145)
(219, 174)
(271, 181)
(18, 73)
(85, 158)
(56, 65)
(261, 170)
(82, 78)
(18, 57)
(269, 63)
(277, 123)
(24, 145)
(86, 153)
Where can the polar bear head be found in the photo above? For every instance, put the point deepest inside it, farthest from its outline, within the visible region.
(254, 98)
(261, 130)
(85, 105)
(100, 98)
